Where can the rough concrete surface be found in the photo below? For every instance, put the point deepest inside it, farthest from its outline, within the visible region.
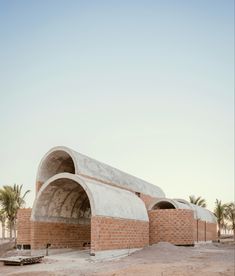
(162, 259)
(64, 195)
(63, 159)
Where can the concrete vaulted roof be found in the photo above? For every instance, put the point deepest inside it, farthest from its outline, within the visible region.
(63, 159)
(199, 212)
(72, 198)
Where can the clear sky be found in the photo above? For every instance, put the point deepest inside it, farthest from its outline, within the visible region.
(145, 86)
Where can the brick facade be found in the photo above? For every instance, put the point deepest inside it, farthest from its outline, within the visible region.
(211, 231)
(146, 199)
(201, 230)
(171, 225)
(24, 226)
(113, 233)
(204, 231)
(59, 235)
(176, 226)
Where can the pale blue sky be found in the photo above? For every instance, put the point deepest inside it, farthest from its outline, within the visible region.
(145, 86)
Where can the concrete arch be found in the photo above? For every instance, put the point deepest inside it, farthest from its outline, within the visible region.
(55, 198)
(57, 160)
(199, 212)
(62, 159)
(162, 203)
(60, 197)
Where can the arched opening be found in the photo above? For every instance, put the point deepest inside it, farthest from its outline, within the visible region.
(163, 205)
(62, 216)
(58, 161)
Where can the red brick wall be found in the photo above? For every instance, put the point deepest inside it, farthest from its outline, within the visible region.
(195, 234)
(211, 232)
(59, 235)
(113, 233)
(24, 226)
(204, 231)
(171, 225)
(146, 199)
(201, 231)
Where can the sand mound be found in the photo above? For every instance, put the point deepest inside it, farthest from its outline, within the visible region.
(165, 246)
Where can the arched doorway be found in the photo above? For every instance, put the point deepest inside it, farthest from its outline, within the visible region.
(163, 205)
(62, 215)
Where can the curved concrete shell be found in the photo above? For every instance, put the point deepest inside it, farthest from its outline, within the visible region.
(63, 159)
(199, 212)
(74, 199)
(162, 203)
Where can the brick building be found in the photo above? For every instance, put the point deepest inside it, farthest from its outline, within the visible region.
(81, 202)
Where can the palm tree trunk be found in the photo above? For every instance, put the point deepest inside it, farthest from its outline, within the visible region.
(3, 229)
(219, 232)
(14, 227)
(11, 228)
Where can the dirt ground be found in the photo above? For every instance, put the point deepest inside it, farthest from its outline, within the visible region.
(162, 259)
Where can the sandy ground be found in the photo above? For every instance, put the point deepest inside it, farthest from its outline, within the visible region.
(162, 259)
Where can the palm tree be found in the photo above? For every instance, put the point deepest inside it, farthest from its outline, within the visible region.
(11, 201)
(219, 212)
(225, 226)
(197, 200)
(230, 215)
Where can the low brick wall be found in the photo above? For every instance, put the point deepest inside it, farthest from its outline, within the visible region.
(106, 233)
(171, 225)
(24, 226)
(204, 231)
(201, 230)
(176, 226)
(113, 233)
(211, 233)
(59, 235)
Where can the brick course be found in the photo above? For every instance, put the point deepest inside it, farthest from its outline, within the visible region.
(204, 231)
(171, 225)
(146, 199)
(24, 226)
(113, 233)
(211, 231)
(59, 235)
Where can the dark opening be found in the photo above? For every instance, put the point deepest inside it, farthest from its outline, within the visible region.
(26, 246)
(163, 205)
(23, 246)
